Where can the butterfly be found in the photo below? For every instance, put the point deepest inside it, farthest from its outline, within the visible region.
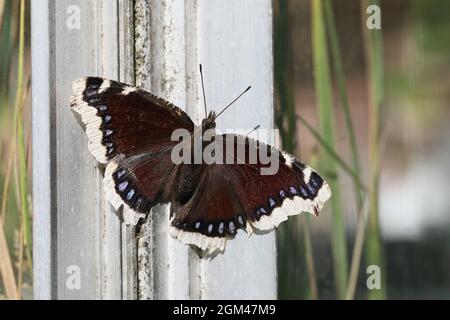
(130, 131)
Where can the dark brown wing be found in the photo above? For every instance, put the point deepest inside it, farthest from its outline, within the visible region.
(233, 196)
(130, 129)
(212, 213)
(142, 181)
(121, 119)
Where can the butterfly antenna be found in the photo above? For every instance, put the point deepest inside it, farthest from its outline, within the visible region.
(252, 130)
(249, 87)
(203, 89)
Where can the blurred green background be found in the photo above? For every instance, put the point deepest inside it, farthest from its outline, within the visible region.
(368, 108)
(15, 143)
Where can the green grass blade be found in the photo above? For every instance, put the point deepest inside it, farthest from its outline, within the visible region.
(327, 163)
(375, 74)
(309, 257)
(342, 89)
(23, 181)
(332, 153)
(5, 46)
(286, 123)
(357, 251)
(285, 117)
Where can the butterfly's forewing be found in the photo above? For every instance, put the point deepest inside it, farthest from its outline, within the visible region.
(121, 119)
(238, 196)
(129, 129)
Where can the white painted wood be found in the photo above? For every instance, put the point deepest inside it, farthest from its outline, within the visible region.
(146, 238)
(75, 230)
(78, 201)
(173, 62)
(156, 45)
(235, 48)
(42, 151)
(110, 224)
(127, 75)
(165, 273)
(233, 41)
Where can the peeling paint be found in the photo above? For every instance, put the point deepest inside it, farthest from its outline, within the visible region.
(144, 261)
(170, 36)
(142, 40)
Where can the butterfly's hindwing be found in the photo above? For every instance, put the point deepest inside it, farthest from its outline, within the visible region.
(212, 215)
(236, 196)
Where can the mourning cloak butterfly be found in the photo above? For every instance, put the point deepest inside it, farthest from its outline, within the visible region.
(130, 131)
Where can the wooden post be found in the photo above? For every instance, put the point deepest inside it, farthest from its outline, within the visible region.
(81, 249)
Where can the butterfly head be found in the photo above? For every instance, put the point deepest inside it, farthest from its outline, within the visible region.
(209, 122)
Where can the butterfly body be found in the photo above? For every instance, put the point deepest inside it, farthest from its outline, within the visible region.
(131, 131)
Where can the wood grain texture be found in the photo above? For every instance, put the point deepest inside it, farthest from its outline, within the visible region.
(156, 45)
(161, 69)
(235, 48)
(43, 159)
(127, 75)
(233, 41)
(79, 201)
(76, 231)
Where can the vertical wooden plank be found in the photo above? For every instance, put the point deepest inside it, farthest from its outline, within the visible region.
(78, 245)
(196, 112)
(235, 48)
(173, 33)
(41, 33)
(161, 69)
(127, 75)
(110, 259)
(77, 178)
(233, 40)
(146, 245)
